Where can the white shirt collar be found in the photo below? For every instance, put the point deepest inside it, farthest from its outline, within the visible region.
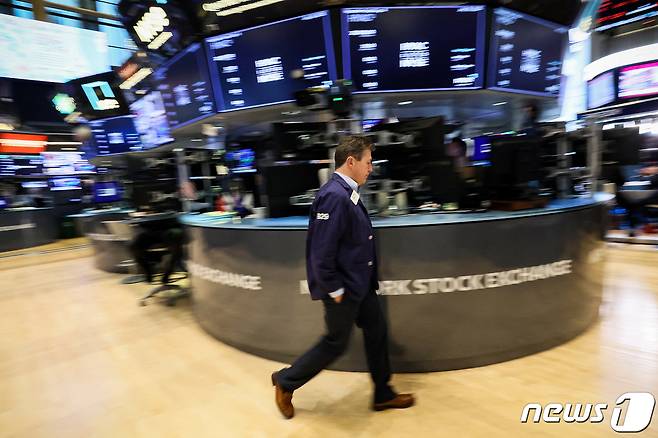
(350, 182)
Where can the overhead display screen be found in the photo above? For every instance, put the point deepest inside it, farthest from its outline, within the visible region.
(601, 90)
(98, 96)
(255, 66)
(40, 51)
(151, 120)
(638, 80)
(526, 54)
(66, 163)
(115, 136)
(185, 87)
(21, 165)
(614, 13)
(64, 184)
(414, 48)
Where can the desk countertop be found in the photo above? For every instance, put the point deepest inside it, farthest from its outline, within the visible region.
(410, 220)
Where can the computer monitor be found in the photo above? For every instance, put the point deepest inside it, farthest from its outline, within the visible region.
(64, 184)
(368, 124)
(241, 160)
(444, 182)
(481, 148)
(156, 195)
(428, 135)
(300, 140)
(622, 145)
(515, 165)
(34, 184)
(106, 192)
(281, 182)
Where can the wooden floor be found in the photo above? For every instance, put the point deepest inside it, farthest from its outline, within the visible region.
(79, 358)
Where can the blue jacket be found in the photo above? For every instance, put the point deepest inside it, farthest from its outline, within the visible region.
(340, 245)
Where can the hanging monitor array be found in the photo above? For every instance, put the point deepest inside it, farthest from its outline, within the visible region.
(384, 49)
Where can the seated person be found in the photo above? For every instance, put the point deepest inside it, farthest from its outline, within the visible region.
(636, 210)
(167, 232)
(651, 173)
(456, 150)
(23, 199)
(6, 195)
(236, 199)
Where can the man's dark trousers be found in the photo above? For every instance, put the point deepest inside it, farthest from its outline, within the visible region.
(340, 319)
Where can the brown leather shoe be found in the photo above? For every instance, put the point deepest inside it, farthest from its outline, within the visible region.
(400, 401)
(283, 399)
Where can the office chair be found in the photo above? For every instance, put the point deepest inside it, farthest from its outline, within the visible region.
(124, 232)
(158, 252)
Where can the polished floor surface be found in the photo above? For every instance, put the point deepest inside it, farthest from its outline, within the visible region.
(80, 358)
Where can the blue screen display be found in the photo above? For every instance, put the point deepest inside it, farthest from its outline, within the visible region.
(64, 184)
(107, 191)
(526, 54)
(414, 48)
(241, 160)
(115, 136)
(481, 148)
(185, 87)
(151, 120)
(21, 165)
(368, 124)
(601, 90)
(253, 67)
(66, 163)
(41, 51)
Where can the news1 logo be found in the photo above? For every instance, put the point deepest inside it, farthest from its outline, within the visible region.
(100, 95)
(639, 412)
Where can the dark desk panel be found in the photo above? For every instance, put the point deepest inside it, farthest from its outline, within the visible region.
(26, 227)
(111, 252)
(458, 292)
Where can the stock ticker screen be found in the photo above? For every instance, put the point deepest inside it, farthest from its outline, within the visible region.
(253, 67)
(615, 13)
(414, 48)
(20, 165)
(115, 136)
(638, 80)
(526, 54)
(185, 87)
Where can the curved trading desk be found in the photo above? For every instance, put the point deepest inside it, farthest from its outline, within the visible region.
(110, 250)
(26, 227)
(459, 290)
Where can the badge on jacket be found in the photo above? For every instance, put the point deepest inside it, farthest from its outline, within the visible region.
(355, 197)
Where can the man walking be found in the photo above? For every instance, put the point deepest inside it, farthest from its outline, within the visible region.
(341, 267)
